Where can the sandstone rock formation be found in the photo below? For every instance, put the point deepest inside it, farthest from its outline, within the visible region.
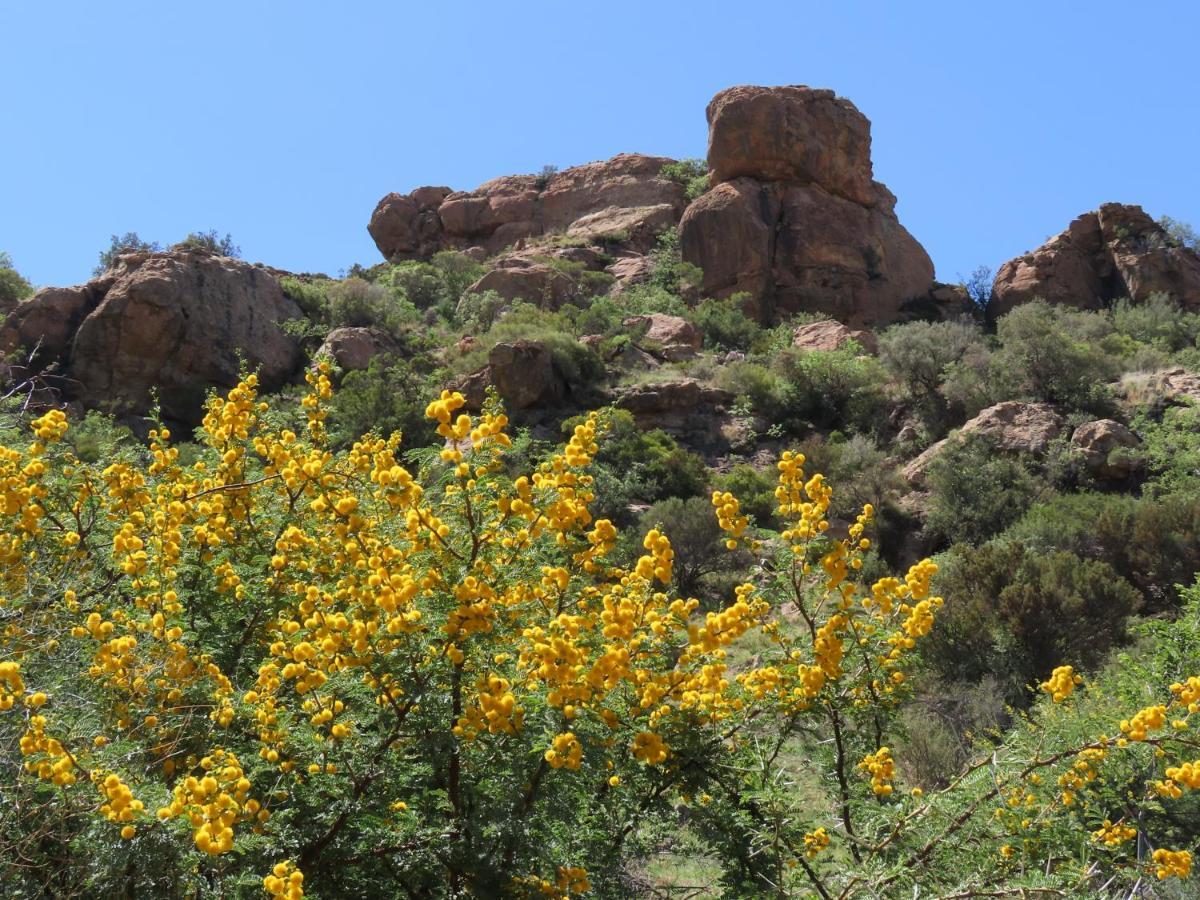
(795, 219)
(1117, 251)
(1012, 426)
(830, 335)
(178, 323)
(1097, 441)
(624, 200)
(353, 347)
(522, 372)
(684, 407)
(668, 337)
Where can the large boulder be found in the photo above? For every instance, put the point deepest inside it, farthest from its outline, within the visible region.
(792, 134)
(1012, 426)
(1106, 447)
(795, 219)
(353, 347)
(669, 337)
(45, 324)
(625, 200)
(830, 335)
(1114, 252)
(176, 324)
(684, 407)
(522, 372)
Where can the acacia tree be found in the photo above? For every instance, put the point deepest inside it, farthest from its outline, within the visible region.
(286, 669)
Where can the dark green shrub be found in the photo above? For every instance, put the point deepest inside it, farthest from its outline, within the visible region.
(129, 242)
(13, 288)
(832, 388)
(918, 355)
(1154, 544)
(1053, 354)
(312, 296)
(691, 173)
(1172, 447)
(725, 325)
(703, 567)
(977, 492)
(389, 396)
(1157, 321)
(755, 491)
(210, 240)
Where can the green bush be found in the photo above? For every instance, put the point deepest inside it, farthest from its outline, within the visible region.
(312, 296)
(918, 356)
(1172, 447)
(129, 242)
(724, 324)
(1152, 543)
(704, 569)
(1014, 614)
(832, 388)
(976, 491)
(756, 491)
(13, 288)
(691, 173)
(1053, 354)
(390, 395)
(361, 303)
(210, 240)
(1158, 321)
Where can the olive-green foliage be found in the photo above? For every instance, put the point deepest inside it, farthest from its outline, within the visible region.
(210, 240)
(977, 492)
(578, 363)
(356, 301)
(13, 288)
(755, 491)
(832, 388)
(669, 271)
(437, 284)
(635, 466)
(1152, 543)
(389, 396)
(918, 356)
(691, 173)
(97, 436)
(1172, 448)
(703, 567)
(1158, 322)
(1053, 354)
(129, 242)
(725, 325)
(1180, 234)
(1015, 613)
(312, 296)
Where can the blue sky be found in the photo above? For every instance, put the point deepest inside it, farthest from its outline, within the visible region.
(994, 123)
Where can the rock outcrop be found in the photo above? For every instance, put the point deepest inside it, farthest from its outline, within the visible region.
(830, 335)
(795, 219)
(1106, 446)
(353, 347)
(624, 200)
(522, 372)
(176, 323)
(684, 407)
(1114, 252)
(1012, 426)
(668, 337)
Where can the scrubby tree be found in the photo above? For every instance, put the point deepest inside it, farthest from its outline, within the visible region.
(13, 287)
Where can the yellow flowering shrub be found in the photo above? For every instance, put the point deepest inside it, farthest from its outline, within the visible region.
(376, 672)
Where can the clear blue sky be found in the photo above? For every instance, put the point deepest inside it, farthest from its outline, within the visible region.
(284, 123)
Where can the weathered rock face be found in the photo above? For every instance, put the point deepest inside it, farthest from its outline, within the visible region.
(549, 277)
(624, 200)
(179, 322)
(795, 219)
(1012, 425)
(1097, 441)
(669, 337)
(1117, 251)
(353, 348)
(685, 408)
(46, 323)
(830, 335)
(524, 374)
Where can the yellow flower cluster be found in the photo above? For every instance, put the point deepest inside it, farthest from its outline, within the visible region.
(729, 517)
(882, 769)
(648, 747)
(285, 882)
(51, 760)
(568, 881)
(1061, 683)
(214, 802)
(815, 842)
(119, 803)
(565, 751)
(12, 686)
(1114, 835)
(658, 563)
(1143, 722)
(1172, 863)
